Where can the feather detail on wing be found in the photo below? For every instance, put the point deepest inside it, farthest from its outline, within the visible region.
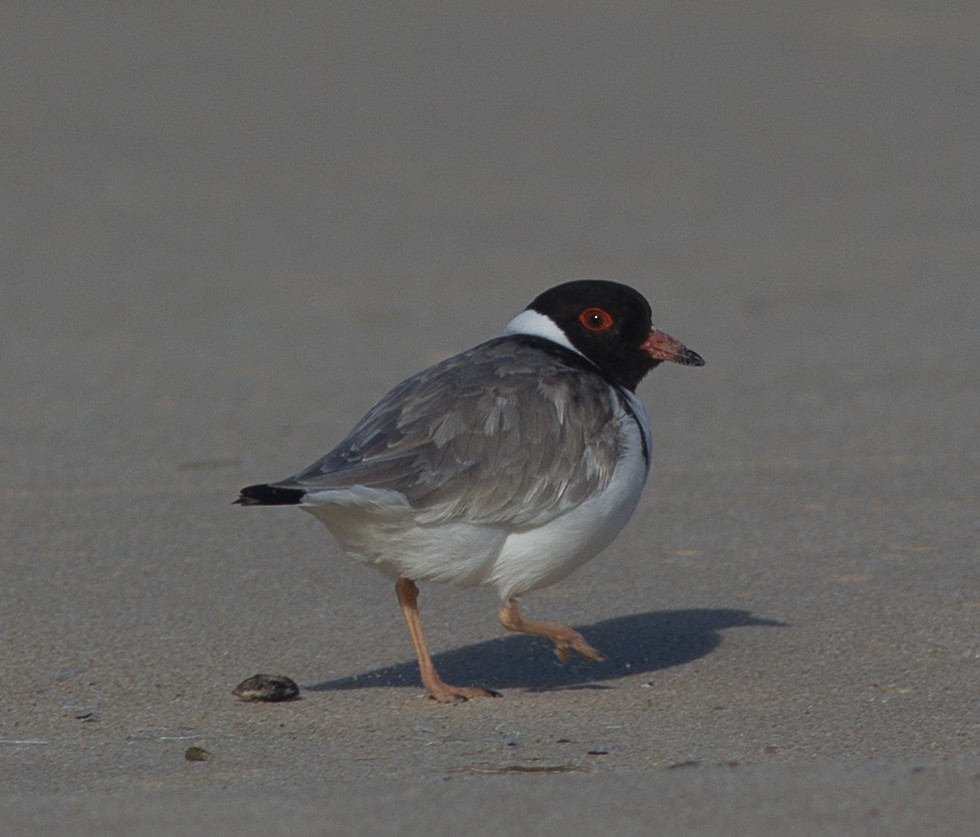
(499, 434)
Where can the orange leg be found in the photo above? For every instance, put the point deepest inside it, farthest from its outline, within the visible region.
(408, 594)
(562, 636)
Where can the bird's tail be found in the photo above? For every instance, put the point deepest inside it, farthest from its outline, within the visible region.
(269, 495)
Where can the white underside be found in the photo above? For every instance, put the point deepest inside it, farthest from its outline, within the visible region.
(378, 528)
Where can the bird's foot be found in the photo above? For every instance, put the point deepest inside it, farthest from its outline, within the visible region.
(565, 639)
(444, 693)
(435, 688)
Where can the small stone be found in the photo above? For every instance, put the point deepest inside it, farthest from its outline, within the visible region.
(267, 687)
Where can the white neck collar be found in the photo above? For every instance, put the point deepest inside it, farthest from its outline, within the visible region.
(535, 324)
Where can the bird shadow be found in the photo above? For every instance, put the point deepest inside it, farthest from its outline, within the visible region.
(636, 644)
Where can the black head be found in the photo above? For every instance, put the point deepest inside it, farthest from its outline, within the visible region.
(609, 323)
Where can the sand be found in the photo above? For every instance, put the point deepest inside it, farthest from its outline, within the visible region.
(228, 230)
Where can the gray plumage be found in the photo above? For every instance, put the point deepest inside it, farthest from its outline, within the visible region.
(495, 435)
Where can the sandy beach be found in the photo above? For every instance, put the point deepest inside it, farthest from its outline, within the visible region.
(228, 230)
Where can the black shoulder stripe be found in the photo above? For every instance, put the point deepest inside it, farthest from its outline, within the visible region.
(643, 436)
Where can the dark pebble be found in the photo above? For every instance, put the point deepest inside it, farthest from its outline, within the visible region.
(267, 687)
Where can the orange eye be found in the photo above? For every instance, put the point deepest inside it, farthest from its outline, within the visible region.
(595, 319)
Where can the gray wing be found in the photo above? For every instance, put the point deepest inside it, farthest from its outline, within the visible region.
(501, 433)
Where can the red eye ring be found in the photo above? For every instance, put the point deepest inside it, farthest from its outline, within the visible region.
(595, 319)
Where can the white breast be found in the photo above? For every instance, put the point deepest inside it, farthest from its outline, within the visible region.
(540, 557)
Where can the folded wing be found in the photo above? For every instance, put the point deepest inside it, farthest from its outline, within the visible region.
(487, 437)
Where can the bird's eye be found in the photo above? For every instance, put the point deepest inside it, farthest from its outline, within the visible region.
(595, 319)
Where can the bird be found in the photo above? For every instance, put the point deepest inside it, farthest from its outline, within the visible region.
(507, 466)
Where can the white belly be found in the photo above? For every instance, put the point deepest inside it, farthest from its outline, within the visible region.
(543, 556)
(378, 528)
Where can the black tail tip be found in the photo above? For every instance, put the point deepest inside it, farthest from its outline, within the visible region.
(269, 495)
